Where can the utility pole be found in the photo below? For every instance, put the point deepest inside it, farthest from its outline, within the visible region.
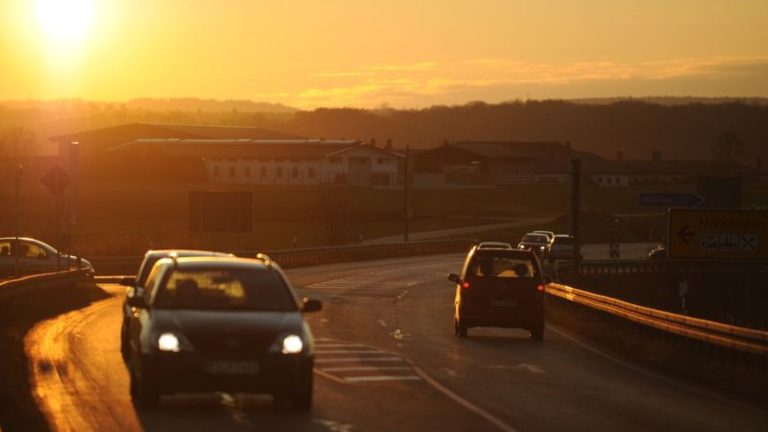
(74, 154)
(406, 206)
(575, 208)
(15, 250)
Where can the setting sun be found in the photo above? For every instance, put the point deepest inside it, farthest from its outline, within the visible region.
(65, 21)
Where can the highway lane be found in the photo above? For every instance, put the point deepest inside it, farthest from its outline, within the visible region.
(387, 360)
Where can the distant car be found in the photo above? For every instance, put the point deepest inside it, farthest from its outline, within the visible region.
(550, 234)
(220, 324)
(34, 256)
(494, 245)
(499, 288)
(135, 285)
(658, 254)
(561, 248)
(534, 242)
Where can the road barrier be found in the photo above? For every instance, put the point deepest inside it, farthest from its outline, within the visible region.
(35, 285)
(724, 335)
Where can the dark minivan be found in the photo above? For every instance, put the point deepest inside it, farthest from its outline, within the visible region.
(500, 288)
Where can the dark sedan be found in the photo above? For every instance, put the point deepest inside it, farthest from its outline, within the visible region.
(220, 324)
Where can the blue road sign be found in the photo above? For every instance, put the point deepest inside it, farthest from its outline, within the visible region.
(670, 199)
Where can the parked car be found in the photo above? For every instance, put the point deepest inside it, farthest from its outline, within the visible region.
(135, 285)
(561, 248)
(537, 243)
(499, 288)
(494, 245)
(34, 256)
(226, 324)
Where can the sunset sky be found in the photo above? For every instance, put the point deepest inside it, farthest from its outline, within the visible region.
(369, 53)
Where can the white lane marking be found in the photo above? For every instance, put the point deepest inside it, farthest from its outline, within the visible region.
(340, 345)
(355, 351)
(358, 359)
(364, 368)
(380, 378)
(649, 373)
(463, 402)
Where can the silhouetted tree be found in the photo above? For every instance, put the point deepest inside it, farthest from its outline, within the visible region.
(728, 147)
(17, 141)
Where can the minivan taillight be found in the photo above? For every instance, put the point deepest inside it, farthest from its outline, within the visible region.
(540, 287)
(465, 285)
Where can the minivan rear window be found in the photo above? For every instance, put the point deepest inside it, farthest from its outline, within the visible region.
(503, 267)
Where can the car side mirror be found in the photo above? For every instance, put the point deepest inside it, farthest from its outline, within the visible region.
(311, 305)
(137, 302)
(127, 281)
(453, 277)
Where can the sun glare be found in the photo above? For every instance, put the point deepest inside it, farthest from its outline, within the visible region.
(65, 22)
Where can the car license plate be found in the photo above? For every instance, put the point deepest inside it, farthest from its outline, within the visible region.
(503, 303)
(232, 368)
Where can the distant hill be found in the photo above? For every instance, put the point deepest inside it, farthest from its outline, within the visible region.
(153, 104)
(674, 100)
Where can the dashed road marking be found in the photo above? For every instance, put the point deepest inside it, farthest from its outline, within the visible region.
(360, 363)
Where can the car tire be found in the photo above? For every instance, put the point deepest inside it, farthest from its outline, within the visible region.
(300, 400)
(124, 345)
(459, 328)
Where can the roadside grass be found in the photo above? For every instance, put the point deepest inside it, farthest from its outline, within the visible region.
(18, 409)
(736, 375)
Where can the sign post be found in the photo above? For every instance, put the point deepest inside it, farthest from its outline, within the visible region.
(57, 181)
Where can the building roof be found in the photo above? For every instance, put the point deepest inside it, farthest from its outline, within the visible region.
(514, 149)
(247, 148)
(128, 132)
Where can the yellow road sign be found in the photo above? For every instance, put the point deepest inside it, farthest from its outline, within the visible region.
(721, 235)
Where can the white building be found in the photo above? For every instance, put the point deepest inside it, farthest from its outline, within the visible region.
(285, 162)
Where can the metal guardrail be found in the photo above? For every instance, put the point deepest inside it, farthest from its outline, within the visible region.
(21, 286)
(728, 336)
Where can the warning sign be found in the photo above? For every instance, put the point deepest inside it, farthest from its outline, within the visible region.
(718, 234)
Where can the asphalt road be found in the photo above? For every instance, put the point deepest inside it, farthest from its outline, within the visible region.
(386, 360)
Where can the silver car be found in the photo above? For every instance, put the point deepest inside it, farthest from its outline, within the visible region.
(33, 256)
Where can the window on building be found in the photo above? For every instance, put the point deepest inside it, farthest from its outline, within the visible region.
(608, 180)
(335, 160)
(248, 171)
(216, 171)
(295, 171)
(279, 172)
(382, 161)
(231, 171)
(311, 172)
(263, 171)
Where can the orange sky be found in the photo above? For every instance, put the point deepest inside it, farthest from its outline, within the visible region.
(367, 53)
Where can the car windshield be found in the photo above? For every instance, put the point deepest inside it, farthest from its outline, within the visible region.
(504, 267)
(535, 239)
(225, 289)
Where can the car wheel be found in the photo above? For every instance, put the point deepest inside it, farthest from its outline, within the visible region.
(124, 345)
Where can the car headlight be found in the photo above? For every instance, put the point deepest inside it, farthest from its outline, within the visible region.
(168, 342)
(292, 344)
(172, 342)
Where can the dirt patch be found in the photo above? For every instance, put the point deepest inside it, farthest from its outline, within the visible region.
(739, 376)
(18, 410)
